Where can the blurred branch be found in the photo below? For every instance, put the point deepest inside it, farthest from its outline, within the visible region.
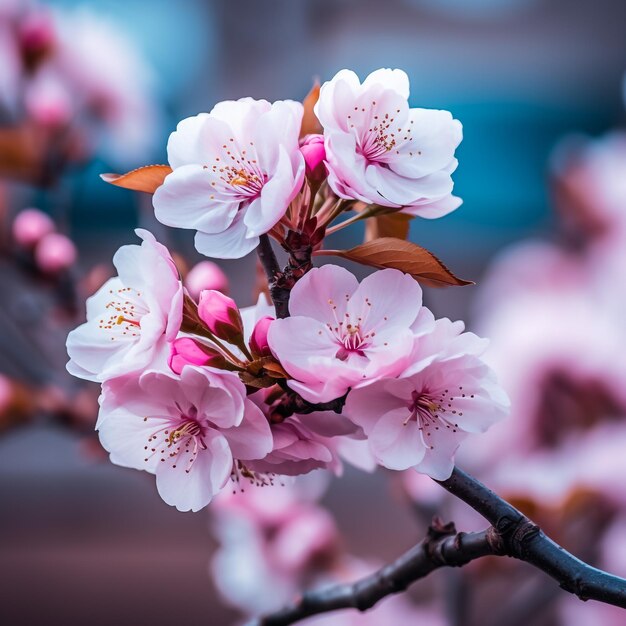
(511, 534)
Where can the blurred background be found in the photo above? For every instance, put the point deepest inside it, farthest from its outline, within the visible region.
(85, 542)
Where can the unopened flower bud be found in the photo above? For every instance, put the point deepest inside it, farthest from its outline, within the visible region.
(206, 275)
(258, 339)
(188, 351)
(221, 316)
(30, 225)
(314, 153)
(55, 253)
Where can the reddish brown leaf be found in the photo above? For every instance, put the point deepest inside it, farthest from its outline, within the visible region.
(388, 225)
(310, 123)
(148, 178)
(408, 257)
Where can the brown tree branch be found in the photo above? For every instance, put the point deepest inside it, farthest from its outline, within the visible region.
(280, 295)
(511, 534)
(442, 546)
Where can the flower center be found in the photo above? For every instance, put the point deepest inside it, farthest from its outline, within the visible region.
(349, 333)
(238, 174)
(180, 440)
(378, 134)
(126, 309)
(433, 411)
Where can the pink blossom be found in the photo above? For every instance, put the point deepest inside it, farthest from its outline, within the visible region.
(563, 367)
(419, 419)
(314, 153)
(205, 275)
(236, 169)
(591, 188)
(54, 253)
(274, 542)
(342, 334)
(221, 315)
(30, 225)
(190, 430)
(188, 351)
(303, 443)
(298, 447)
(132, 317)
(380, 151)
(48, 99)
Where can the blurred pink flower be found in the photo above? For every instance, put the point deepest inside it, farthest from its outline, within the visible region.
(30, 225)
(48, 99)
(564, 364)
(111, 84)
(55, 253)
(188, 430)
(132, 317)
(380, 151)
(342, 334)
(274, 542)
(205, 275)
(419, 419)
(591, 186)
(236, 169)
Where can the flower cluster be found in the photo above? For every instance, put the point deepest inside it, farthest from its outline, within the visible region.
(199, 392)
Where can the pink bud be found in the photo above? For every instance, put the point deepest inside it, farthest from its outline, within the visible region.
(206, 275)
(187, 351)
(55, 253)
(30, 225)
(312, 148)
(258, 339)
(221, 315)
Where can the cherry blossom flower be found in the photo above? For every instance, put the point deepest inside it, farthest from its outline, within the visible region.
(590, 186)
(380, 151)
(191, 430)
(55, 253)
(342, 334)
(303, 443)
(419, 419)
(236, 169)
(563, 367)
(132, 317)
(206, 275)
(30, 226)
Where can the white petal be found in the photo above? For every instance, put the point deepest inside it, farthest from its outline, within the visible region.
(187, 199)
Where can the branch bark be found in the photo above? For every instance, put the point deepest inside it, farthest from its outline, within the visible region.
(280, 295)
(511, 534)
